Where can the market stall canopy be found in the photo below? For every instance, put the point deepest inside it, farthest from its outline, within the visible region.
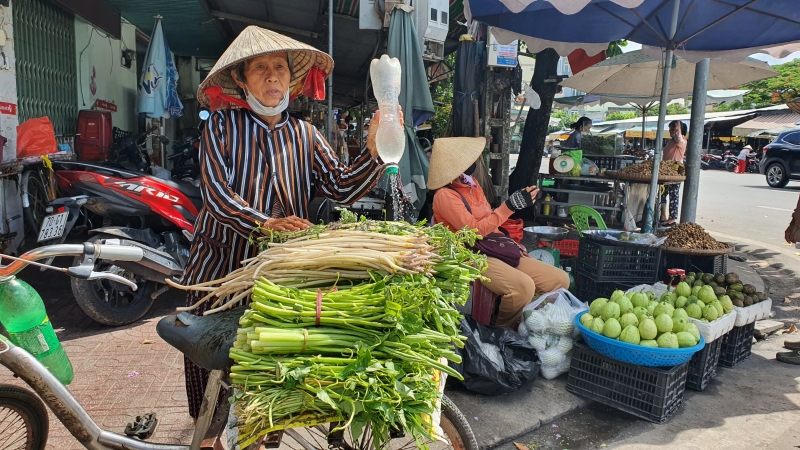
(767, 123)
(203, 29)
(637, 74)
(705, 28)
(718, 96)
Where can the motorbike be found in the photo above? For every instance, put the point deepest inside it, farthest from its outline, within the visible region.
(718, 162)
(185, 159)
(137, 209)
(204, 340)
(753, 165)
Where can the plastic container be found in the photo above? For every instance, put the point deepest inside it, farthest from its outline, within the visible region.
(24, 317)
(712, 331)
(653, 394)
(750, 314)
(703, 366)
(705, 264)
(589, 289)
(636, 354)
(95, 136)
(567, 247)
(633, 264)
(386, 83)
(737, 345)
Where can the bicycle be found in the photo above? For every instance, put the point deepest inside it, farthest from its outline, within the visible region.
(24, 420)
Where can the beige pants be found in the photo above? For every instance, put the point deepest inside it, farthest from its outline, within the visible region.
(517, 285)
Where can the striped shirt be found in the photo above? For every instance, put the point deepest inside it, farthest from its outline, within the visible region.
(251, 174)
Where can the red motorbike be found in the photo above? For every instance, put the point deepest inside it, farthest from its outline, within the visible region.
(137, 209)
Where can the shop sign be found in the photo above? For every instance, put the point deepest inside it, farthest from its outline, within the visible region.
(104, 105)
(8, 108)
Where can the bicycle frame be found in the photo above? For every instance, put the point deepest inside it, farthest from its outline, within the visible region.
(61, 402)
(59, 399)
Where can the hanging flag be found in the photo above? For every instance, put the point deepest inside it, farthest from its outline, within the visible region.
(579, 60)
(157, 94)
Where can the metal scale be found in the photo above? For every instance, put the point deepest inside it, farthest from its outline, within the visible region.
(540, 235)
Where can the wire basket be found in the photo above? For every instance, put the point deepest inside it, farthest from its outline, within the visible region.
(636, 354)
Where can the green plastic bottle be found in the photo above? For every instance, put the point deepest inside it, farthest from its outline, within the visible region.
(23, 315)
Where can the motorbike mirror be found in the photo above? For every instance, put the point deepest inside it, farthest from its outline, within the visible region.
(204, 114)
(163, 139)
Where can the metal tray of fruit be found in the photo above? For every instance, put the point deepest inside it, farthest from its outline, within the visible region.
(617, 237)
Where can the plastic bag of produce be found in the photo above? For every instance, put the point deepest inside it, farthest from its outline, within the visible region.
(482, 375)
(550, 327)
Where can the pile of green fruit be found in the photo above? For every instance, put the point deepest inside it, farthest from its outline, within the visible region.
(725, 285)
(646, 320)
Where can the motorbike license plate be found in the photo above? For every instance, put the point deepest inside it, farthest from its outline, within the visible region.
(53, 226)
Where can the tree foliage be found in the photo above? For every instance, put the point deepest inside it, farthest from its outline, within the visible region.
(776, 90)
(567, 118)
(673, 108)
(442, 96)
(622, 115)
(732, 106)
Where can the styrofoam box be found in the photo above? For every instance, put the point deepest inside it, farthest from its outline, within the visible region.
(750, 314)
(714, 330)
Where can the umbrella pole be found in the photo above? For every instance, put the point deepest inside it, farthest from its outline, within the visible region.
(694, 147)
(644, 125)
(650, 208)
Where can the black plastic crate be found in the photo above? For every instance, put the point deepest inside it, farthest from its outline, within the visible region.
(587, 289)
(651, 393)
(737, 345)
(610, 162)
(705, 264)
(619, 263)
(703, 366)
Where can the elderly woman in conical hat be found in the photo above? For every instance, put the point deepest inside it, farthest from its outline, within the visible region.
(259, 166)
(460, 202)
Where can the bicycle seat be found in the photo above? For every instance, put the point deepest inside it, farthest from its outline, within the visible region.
(205, 340)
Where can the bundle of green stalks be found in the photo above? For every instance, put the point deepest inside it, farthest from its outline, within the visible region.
(352, 323)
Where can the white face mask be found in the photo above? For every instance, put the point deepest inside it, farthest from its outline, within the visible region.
(267, 111)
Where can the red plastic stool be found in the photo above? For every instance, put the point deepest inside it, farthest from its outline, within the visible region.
(482, 303)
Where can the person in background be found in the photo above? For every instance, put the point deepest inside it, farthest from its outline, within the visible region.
(742, 159)
(460, 202)
(673, 151)
(583, 125)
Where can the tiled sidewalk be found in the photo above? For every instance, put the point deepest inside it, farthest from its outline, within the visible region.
(119, 372)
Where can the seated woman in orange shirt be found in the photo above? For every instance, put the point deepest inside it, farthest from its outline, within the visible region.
(452, 162)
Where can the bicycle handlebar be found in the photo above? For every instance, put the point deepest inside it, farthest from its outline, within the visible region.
(119, 252)
(90, 252)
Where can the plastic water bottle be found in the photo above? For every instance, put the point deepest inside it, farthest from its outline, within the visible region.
(23, 315)
(391, 138)
(571, 280)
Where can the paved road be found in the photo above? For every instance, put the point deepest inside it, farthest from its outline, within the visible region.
(743, 206)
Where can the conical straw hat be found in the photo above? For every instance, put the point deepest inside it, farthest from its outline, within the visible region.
(255, 41)
(450, 157)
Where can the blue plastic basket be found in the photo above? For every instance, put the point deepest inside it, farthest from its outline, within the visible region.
(636, 354)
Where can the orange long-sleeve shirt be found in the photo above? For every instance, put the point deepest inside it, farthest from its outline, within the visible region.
(449, 209)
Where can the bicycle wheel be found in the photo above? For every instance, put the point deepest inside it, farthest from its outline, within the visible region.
(23, 420)
(458, 435)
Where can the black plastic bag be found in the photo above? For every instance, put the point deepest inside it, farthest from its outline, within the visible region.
(515, 364)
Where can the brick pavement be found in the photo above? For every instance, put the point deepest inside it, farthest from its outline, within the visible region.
(104, 358)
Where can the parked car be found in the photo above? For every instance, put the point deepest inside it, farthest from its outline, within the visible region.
(781, 160)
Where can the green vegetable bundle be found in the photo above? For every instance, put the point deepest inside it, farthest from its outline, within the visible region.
(356, 352)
